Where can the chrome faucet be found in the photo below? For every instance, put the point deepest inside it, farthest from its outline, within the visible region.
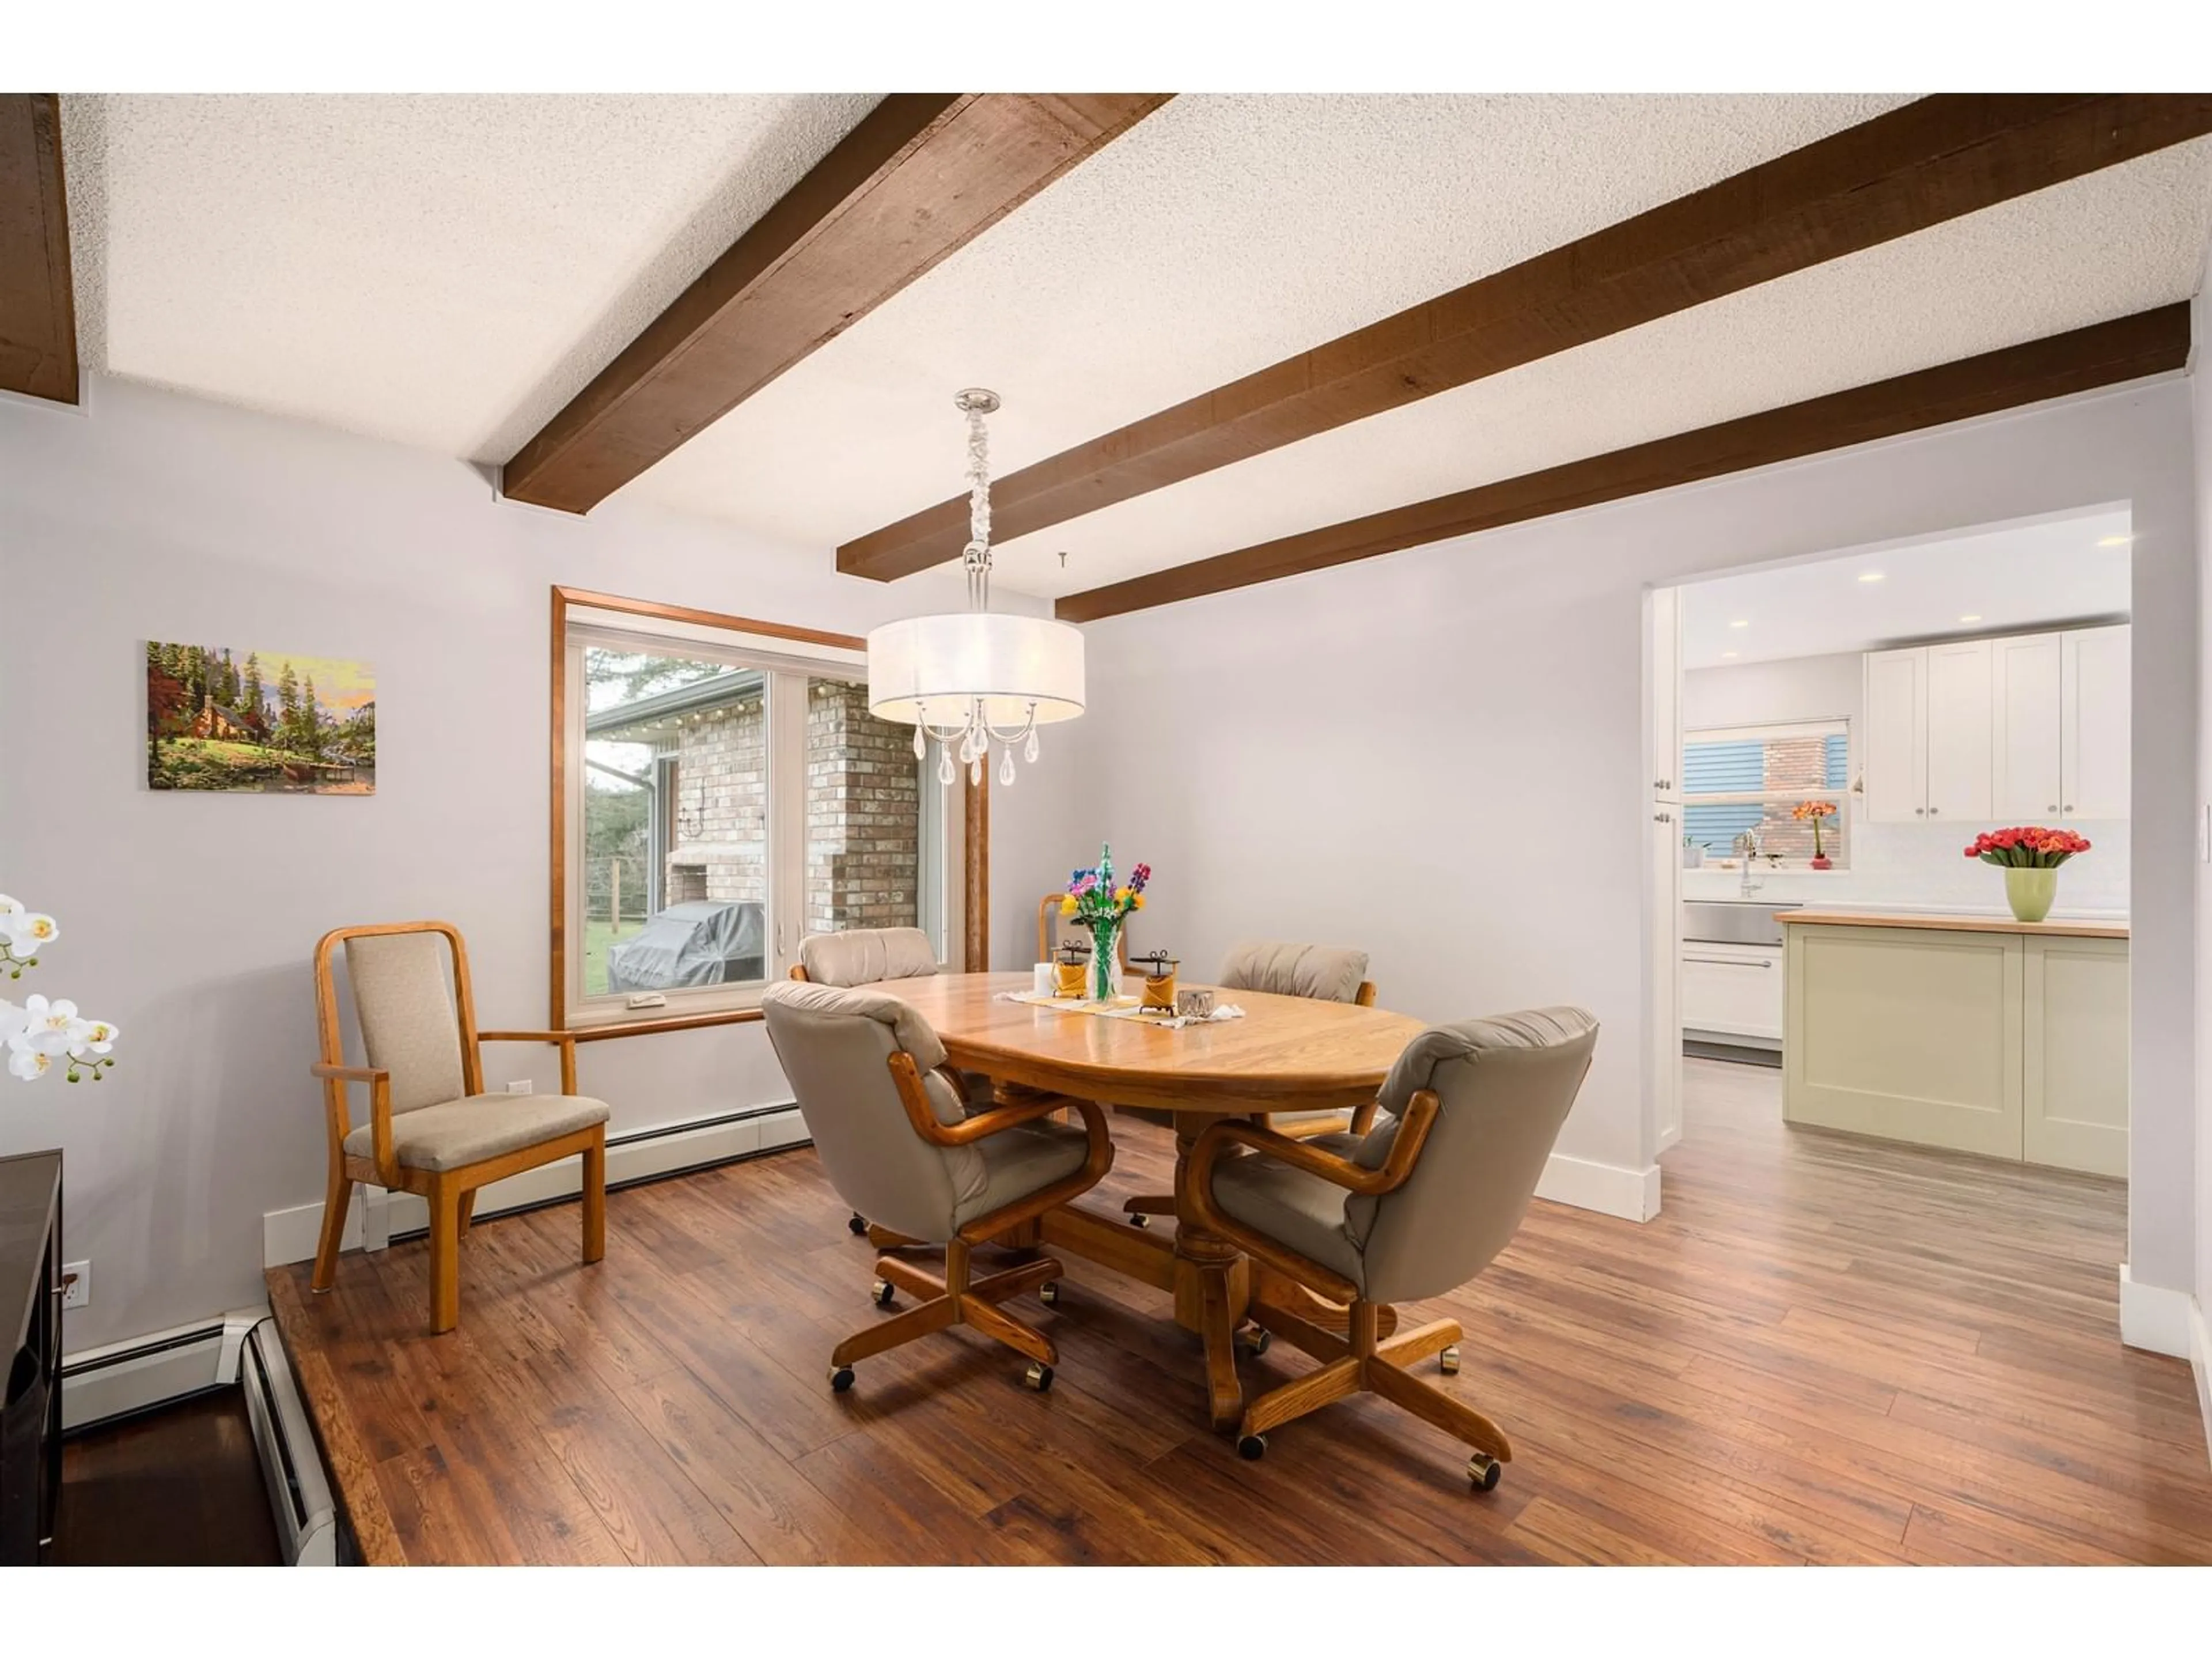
(1747, 845)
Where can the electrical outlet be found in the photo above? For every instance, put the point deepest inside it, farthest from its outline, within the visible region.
(521, 1085)
(77, 1277)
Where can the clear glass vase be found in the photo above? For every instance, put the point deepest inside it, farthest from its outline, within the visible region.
(1104, 982)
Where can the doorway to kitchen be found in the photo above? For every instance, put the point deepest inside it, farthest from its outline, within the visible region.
(1831, 742)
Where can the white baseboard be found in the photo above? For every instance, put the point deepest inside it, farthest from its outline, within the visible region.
(2153, 1318)
(109, 1380)
(1608, 1188)
(377, 1215)
(2200, 1361)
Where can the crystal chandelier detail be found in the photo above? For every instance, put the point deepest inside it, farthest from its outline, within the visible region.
(970, 679)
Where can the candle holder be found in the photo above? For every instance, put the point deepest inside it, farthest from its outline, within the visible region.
(1159, 971)
(1069, 972)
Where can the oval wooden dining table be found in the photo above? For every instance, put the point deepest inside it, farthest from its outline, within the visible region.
(1286, 1054)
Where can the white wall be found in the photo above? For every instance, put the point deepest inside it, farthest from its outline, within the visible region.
(2200, 331)
(1910, 865)
(189, 919)
(1437, 755)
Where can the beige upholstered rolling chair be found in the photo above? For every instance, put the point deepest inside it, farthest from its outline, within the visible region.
(866, 955)
(431, 1129)
(1324, 973)
(891, 1122)
(1413, 1207)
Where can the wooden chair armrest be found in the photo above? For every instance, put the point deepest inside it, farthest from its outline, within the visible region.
(1097, 1160)
(919, 1112)
(567, 1040)
(380, 1112)
(1362, 1118)
(1421, 1115)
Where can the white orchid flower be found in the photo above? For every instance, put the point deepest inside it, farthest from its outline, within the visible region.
(26, 1062)
(48, 1031)
(28, 931)
(10, 907)
(91, 1036)
(13, 1019)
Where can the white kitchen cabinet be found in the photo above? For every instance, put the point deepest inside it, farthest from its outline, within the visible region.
(1896, 742)
(2027, 728)
(1958, 731)
(1732, 991)
(2026, 786)
(2093, 734)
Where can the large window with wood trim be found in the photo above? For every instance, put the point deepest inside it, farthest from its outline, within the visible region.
(722, 792)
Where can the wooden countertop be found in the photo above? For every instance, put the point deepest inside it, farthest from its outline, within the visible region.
(1940, 922)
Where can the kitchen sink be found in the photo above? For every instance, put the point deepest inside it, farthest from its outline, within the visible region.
(1732, 921)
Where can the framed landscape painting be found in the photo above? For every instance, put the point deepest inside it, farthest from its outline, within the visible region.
(258, 722)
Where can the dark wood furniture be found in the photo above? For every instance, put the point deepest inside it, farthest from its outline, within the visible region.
(31, 1319)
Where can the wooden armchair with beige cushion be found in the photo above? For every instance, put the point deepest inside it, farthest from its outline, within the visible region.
(1414, 1207)
(892, 1125)
(431, 1128)
(1323, 973)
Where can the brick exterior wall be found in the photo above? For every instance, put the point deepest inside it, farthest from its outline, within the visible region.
(863, 812)
(721, 807)
(1798, 765)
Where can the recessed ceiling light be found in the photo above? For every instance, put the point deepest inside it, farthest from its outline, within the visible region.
(1728, 653)
(1972, 616)
(1870, 575)
(2114, 541)
(1745, 623)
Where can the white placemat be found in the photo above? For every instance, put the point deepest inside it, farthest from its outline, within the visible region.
(1121, 1008)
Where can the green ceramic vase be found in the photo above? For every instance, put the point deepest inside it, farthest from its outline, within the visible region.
(2031, 891)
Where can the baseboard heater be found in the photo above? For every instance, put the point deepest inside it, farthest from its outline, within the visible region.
(308, 1531)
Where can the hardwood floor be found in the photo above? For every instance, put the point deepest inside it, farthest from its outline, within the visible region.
(178, 1487)
(1824, 1350)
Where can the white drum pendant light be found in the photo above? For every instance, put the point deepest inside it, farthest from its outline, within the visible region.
(975, 678)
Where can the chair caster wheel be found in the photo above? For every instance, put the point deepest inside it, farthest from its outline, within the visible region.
(1048, 1293)
(841, 1379)
(1254, 1340)
(858, 1224)
(1447, 1361)
(1140, 1219)
(1252, 1447)
(883, 1293)
(1484, 1471)
(1038, 1377)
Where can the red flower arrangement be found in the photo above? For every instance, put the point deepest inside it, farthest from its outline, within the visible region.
(2029, 847)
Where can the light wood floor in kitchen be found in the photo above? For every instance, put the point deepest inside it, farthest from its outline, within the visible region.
(1824, 1350)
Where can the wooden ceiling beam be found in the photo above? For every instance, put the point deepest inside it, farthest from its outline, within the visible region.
(2149, 343)
(37, 300)
(1915, 166)
(920, 177)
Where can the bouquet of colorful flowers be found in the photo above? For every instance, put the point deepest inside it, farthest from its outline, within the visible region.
(41, 1032)
(2029, 847)
(1094, 903)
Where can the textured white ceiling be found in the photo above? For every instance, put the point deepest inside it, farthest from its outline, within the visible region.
(2099, 247)
(447, 271)
(2006, 580)
(1217, 236)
